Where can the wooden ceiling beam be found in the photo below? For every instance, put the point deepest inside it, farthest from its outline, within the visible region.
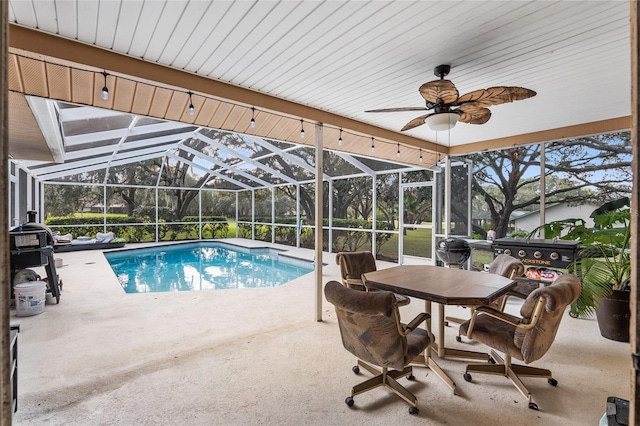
(594, 128)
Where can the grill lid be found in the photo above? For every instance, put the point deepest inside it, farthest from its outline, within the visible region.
(453, 251)
(536, 243)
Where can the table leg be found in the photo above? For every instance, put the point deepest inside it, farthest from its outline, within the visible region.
(444, 352)
(427, 361)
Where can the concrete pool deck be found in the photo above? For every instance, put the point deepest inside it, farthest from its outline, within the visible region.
(257, 356)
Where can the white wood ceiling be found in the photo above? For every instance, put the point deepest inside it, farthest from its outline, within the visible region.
(345, 57)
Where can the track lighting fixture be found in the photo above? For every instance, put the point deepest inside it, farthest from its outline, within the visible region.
(398, 153)
(301, 129)
(340, 138)
(192, 110)
(253, 120)
(420, 155)
(105, 90)
(373, 146)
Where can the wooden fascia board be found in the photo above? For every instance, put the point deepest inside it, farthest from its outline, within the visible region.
(594, 128)
(81, 53)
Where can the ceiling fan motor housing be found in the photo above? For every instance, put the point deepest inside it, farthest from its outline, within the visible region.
(442, 71)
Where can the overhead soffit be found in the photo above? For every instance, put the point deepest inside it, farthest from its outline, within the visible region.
(26, 140)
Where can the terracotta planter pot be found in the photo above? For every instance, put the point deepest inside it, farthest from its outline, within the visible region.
(613, 316)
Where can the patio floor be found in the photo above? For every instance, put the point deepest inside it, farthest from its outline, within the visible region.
(257, 356)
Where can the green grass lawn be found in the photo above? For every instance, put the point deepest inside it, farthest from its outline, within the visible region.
(480, 257)
(417, 242)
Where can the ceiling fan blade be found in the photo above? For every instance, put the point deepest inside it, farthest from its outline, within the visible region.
(497, 95)
(473, 113)
(418, 121)
(398, 109)
(439, 89)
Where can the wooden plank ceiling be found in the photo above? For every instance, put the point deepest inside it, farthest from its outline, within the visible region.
(328, 62)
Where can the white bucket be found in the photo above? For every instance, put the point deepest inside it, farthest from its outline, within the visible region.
(30, 298)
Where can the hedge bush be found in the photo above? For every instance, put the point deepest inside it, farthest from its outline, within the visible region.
(138, 229)
(352, 239)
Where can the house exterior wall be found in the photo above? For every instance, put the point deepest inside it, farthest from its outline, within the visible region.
(561, 211)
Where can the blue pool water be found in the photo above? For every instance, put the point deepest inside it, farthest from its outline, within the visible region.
(203, 266)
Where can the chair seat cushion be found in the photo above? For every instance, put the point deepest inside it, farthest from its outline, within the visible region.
(417, 342)
(494, 333)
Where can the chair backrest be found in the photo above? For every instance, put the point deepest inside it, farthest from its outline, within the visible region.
(369, 325)
(535, 341)
(507, 266)
(353, 265)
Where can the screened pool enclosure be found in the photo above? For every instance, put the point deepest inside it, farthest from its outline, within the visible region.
(147, 179)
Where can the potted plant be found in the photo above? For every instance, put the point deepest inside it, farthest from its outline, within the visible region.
(603, 266)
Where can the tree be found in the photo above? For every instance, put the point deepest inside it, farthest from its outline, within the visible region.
(589, 168)
(61, 200)
(130, 176)
(387, 197)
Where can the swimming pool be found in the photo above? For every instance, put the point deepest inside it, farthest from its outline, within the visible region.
(203, 266)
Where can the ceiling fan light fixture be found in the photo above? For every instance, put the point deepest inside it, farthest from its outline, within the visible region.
(442, 121)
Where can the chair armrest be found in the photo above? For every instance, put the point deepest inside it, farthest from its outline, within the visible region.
(417, 321)
(514, 294)
(355, 283)
(492, 312)
(497, 314)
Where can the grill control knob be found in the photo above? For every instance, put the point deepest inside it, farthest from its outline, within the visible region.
(555, 256)
(537, 254)
(522, 253)
(507, 252)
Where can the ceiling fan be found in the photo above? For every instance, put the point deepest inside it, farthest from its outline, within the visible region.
(448, 107)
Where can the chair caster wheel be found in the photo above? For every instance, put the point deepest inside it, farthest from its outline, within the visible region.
(458, 339)
(356, 369)
(553, 382)
(533, 406)
(413, 410)
(411, 377)
(349, 401)
(467, 377)
(491, 360)
(446, 323)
